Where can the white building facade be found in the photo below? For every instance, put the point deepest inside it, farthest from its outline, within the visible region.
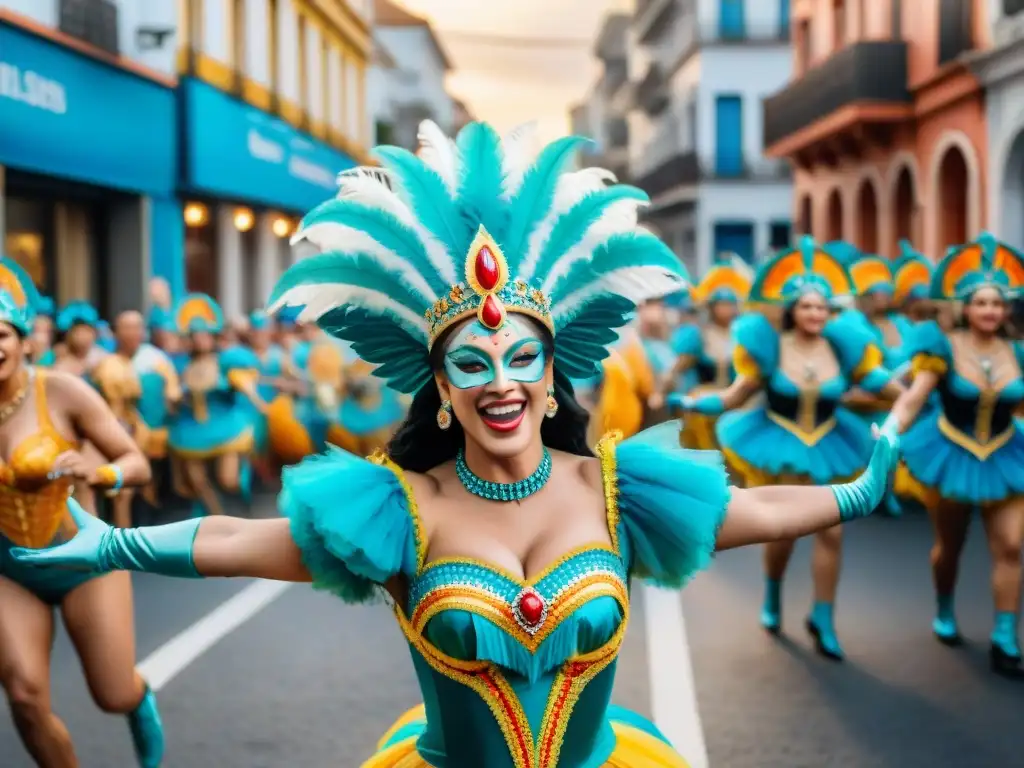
(407, 79)
(700, 69)
(603, 115)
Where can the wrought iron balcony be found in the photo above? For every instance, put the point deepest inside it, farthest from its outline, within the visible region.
(869, 72)
(679, 170)
(652, 93)
(91, 21)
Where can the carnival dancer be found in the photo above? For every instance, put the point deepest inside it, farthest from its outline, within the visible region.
(44, 417)
(78, 354)
(968, 452)
(260, 341)
(213, 422)
(707, 348)
(802, 433)
(304, 424)
(148, 413)
(912, 277)
(43, 333)
(370, 411)
(505, 545)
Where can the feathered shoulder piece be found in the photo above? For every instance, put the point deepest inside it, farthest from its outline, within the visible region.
(912, 275)
(986, 262)
(791, 273)
(19, 299)
(476, 227)
(728, 279)
(197, 313)
(870, 273)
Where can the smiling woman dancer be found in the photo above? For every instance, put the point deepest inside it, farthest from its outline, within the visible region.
(801, 433)
(968, 451)
(505, 545)
(44, 417)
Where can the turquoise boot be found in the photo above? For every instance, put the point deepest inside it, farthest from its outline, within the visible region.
(771, 609)
(944, 624)
(147, 732)
(821, 625)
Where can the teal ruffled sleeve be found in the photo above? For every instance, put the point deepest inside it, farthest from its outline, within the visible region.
(671, 503)
(352, 521)
(756, 347)
(238, 358)
(686, 340)
(930, 349)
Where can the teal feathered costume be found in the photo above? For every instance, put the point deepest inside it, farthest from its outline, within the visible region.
(563, 248)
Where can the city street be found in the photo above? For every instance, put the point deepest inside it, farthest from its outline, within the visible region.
(306, 682)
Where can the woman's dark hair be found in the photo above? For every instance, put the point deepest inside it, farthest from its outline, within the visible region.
(420, 445)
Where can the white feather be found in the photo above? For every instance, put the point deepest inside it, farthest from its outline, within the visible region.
(320, 299)
(520, 150)
(439, 152)
(328, 236)
(619, 218)
(638, 284)
(370, 187)
(570, 190)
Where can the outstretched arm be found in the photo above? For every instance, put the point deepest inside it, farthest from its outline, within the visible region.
(779, 512)
(733, 396)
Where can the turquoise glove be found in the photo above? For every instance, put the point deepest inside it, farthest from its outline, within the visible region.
(677, 402)
(709, 405)
(100, 548)
(891, 426)
(861, 497)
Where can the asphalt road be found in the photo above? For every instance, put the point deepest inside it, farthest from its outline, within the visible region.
(310, 683)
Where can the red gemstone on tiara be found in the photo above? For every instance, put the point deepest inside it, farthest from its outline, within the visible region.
(491, 314)
(486, 268)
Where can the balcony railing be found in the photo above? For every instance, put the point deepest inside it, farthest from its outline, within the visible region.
(870, 71)
(652, 93)
(613, 78)
(956, 22)
(686, 168)
(616, 133)
(652, 16)
(688, 36)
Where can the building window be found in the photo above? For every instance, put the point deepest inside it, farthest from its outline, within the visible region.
(838, 24)
(728, 136)
(735, 237)
(896, 22)
(731, 21)
(784, 18)
(955, 33)
(779, 235)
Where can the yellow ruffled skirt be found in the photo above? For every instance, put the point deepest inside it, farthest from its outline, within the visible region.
(634, 748)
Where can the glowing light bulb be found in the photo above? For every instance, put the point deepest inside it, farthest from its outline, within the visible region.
(282, 227)
(244, 219)
(196, 215)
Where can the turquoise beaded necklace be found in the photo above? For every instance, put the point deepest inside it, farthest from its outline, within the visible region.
(517, 491)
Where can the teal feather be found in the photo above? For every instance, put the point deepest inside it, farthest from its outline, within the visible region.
(535, 197)
(631, 249)
(385, 228)
(582, 343)
(400, 358)
(479, 199)
(571, 228)
(424, 191)
(357, 270)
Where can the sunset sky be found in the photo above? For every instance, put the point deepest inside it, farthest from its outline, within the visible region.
(505, 84)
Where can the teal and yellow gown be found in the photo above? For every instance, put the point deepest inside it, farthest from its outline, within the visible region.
(515, 673)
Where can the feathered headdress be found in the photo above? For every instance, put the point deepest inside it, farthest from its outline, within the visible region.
(871, 274)
(198, 313)
(912, 275)
(77, 313)
(846, 253)
(986, 262)
(476, 227)
(19, 298)
(46, 307)
(728, 279)
(790, 274)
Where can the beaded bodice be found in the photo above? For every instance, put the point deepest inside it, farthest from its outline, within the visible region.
(33, 507)
(520, 670)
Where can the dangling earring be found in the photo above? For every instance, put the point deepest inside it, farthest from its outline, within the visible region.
(552, 409)
(444, 415)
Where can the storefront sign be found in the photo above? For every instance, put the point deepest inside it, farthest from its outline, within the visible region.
(65, 114)
(239, 152)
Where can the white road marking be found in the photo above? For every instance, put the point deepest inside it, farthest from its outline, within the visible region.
(673, 695)
(174, 656)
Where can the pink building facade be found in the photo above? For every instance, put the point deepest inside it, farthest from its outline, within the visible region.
(884, 122)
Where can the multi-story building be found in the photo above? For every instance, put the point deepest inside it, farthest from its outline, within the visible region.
(885, 122)
(88, 146)
(1001, 72)
(700, 69)
(407, 84)
(273, 107)
(602, 116)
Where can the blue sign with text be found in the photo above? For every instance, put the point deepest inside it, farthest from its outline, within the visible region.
(239, 152)
(63, 113)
